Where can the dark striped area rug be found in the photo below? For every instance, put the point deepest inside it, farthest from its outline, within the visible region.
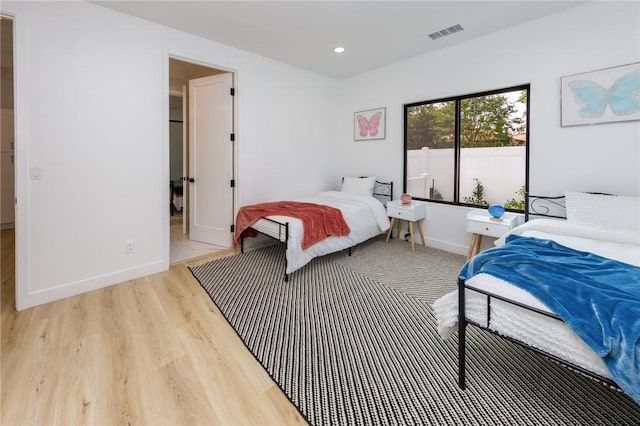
(353, 341)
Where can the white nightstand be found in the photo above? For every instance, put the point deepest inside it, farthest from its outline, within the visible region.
(480, 222)
(413, 212)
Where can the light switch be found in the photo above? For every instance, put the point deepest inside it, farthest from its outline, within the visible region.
(36, 172)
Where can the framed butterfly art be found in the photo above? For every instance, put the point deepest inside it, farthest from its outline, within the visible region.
(370, 124)
(602, 96)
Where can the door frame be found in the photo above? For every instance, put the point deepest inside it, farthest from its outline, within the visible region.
(166, 237)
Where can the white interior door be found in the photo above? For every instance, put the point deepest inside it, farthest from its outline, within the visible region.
(211, 159)
(185, 161)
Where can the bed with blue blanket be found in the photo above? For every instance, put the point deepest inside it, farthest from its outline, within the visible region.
(567, 288)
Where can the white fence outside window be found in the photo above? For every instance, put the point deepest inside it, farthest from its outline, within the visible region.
(500, 170)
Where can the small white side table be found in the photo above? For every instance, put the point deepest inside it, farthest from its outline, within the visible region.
(415, 211)
(480, 222)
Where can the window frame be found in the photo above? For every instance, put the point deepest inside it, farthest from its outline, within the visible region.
(457, 144)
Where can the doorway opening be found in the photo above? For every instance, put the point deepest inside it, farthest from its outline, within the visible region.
(200, 114)
(7, 142)
(7, 155)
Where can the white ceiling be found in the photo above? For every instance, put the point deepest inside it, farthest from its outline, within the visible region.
(304, 33)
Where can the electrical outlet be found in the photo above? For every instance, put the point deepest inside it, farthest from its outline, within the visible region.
(129, 247)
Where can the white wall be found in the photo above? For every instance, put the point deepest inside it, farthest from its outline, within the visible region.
(589, 37)
(92, 113)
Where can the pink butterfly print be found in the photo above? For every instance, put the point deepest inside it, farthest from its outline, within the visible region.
(369, 127)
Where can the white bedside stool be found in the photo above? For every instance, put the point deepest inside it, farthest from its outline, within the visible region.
(480, 222)
(416, 211)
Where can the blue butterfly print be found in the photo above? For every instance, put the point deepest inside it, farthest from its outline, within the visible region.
(623, 97)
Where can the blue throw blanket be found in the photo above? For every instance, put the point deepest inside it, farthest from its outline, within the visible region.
(598, 298)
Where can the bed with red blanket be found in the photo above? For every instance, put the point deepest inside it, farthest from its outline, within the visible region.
(315, 226)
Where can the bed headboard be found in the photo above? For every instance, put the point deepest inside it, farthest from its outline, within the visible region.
(383, 191)
(545, 206)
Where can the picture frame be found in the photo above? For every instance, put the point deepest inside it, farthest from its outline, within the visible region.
(369, 124)
(601, 96)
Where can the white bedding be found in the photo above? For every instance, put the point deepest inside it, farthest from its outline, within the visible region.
(547, 334)
(366, 217)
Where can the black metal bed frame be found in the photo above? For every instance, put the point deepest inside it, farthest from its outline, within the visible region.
(381, 191)
(539, 206)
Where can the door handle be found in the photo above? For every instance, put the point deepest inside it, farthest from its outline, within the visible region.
(191, 180)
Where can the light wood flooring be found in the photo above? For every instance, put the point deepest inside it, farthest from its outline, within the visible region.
(152, 351)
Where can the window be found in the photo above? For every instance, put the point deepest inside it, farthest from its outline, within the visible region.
(469, 150)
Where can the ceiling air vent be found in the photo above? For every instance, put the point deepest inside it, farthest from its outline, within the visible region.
(447, 31)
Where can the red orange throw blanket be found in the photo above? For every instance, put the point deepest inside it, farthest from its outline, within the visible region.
(318, 221)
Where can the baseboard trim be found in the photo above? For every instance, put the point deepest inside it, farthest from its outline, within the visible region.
(447, 246)
(35, 298)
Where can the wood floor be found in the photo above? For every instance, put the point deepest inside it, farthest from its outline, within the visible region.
(152, 351)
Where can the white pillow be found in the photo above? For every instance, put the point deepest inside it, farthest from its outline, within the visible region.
(360, 186)
(610, 210)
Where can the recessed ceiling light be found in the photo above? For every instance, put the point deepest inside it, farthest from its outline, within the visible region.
(339, 49)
